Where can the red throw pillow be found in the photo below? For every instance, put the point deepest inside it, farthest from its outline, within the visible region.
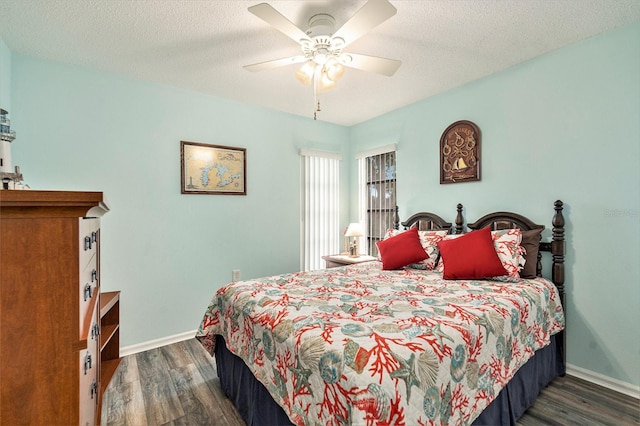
(471, 256)
(401, 250)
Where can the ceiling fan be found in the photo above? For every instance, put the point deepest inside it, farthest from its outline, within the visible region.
(322, 46)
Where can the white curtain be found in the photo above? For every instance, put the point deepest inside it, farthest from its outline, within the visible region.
(320, 207)
(363, 194)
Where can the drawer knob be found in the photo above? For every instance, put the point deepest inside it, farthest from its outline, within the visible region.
(88, 292)
(95, 331)
(94, 388)
(87, 362)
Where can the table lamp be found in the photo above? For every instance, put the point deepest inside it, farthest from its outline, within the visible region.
(354, 230)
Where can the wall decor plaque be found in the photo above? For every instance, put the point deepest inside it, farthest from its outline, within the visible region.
(460, 153)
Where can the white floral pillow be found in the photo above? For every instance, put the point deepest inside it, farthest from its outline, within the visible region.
(429, 241)
(507, 244)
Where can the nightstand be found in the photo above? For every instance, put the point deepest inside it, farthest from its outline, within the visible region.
(337, 260)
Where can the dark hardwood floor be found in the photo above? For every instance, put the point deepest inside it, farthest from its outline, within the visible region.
(177, 385)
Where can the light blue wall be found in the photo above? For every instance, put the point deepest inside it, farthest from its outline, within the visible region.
(563, 126)
(5, 77)
(168, 253)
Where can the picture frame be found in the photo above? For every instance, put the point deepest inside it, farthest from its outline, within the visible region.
(460, 153)
(212, 169)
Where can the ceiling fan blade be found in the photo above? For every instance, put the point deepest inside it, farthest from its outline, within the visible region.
(372, 14)
(274, 18)
(262, 66)
(368, 63)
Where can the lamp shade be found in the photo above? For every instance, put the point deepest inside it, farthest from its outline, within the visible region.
(355, 230)
(324, 82)
(335, 70)
(306, 72)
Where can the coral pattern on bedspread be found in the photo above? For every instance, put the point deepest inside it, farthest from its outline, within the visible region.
(362, 346)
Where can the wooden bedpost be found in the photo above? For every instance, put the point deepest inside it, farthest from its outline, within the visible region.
(459, 219)
(557, 273)
(558, 248)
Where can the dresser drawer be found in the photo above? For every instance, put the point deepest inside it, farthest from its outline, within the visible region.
(89, 288)
(89, 372)
(89, 239)
(89, 274)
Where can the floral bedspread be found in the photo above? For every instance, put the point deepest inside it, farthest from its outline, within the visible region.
(359, 345)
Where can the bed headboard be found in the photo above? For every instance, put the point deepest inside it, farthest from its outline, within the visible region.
(506, 220)
(427, 221)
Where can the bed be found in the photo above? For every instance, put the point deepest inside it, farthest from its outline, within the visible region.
(368, 344)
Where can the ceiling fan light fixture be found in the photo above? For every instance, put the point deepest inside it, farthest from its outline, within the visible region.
(324, 82)
(321, 25)
(321, 57)
(335, 70)
(306, 72)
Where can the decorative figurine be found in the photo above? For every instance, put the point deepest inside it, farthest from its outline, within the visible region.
(6, 137)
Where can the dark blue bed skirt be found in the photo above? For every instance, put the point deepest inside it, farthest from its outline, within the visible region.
(257, 408)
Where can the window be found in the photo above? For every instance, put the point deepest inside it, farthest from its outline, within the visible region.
(320, 207)
(377, 194)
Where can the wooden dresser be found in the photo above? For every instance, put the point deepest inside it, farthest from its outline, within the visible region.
(59, 336)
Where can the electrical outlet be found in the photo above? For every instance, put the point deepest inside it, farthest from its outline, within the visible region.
(235, 275)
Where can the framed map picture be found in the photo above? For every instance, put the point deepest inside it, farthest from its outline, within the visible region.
(213, 169)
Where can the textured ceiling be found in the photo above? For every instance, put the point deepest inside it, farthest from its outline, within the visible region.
(201, 45)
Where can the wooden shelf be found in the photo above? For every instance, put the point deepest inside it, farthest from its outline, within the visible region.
(108, 369)
(107, 300)
(109, 339)
(109, 331)
(109, 327)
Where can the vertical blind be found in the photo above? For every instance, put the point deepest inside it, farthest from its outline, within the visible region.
(321, 207)
(377, 193)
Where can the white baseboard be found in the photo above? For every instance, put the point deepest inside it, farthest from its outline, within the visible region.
(602, 380)
(152, 344)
